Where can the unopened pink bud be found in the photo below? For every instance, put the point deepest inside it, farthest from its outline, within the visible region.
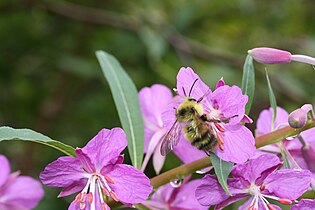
(267, 55)
(297, 118)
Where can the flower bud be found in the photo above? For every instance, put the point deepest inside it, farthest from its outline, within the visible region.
(267, 55)
(297, 118)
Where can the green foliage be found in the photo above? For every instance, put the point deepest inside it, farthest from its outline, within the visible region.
(126, 99)
(248, 82)
(222, 170)
(50, 80)
(272, 100)
(9, 134)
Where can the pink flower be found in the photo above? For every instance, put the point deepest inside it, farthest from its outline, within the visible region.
(304, 204)
(153, 101)
(267, 55)
(305, 157)
(98, 171)
(183, 197)
(17, 192)
(224, 102)
(259, 180)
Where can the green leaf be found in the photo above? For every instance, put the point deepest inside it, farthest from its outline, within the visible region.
(8, 134)
(248, 82)
(273, 102)
(125, 96)
(222, 170)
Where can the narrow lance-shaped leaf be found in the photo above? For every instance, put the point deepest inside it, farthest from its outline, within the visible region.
(8, 134)
(272, 100)
(222, 170)
(273, 104)
(248, 82)
(125, 96)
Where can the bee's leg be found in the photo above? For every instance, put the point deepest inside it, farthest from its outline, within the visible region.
(226, 120)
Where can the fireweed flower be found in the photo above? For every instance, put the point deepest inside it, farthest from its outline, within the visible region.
(224, 102)
(303, 154)
(170, 198)
(153, 101)
(304, 204)
(98, 171)
(259, 180)
(267, 55)
(17, 192)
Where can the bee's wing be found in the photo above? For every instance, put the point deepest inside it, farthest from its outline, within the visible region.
(171, 139)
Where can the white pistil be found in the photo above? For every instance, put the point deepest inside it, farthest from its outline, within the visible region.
(92, 190)
(255, 191)
(96, 182)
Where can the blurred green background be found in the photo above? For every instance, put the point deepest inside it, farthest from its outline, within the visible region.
(51, 82)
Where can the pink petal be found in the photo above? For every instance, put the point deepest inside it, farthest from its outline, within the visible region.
(152, 102)
(105, 147)
(5, 169)
(220, 83)
(163, 193)
(246, 119)
(97, 203)
(23, 192)
(309, 136)
(265, 118)
(62, 172)
(154, 146)
(185, 198)
(85, 160)
(168, 114)
(155, 205)
(304, 204)
(73, 188)
(256, 168)
(288, 183)
(231, 200)
(184, 147)
(158, 160)
(239, 144)
(210, 191)
(245, 205)
(230, 101)
(131, 185)
(185, 79)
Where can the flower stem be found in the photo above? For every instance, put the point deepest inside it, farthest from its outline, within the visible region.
(303, 59)
(190, 168)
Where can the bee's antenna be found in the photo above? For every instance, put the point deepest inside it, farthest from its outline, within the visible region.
(192, 87)
(184, 91)
(202, 97)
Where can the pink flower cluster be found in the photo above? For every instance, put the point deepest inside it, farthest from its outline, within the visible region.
(97, 172)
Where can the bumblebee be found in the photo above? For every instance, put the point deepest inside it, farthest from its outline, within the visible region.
(196, 128)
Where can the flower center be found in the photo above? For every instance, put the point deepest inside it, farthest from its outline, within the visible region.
(258, 194)
(97, 185)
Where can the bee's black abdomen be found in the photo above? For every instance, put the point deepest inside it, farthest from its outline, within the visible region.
(207, 142)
